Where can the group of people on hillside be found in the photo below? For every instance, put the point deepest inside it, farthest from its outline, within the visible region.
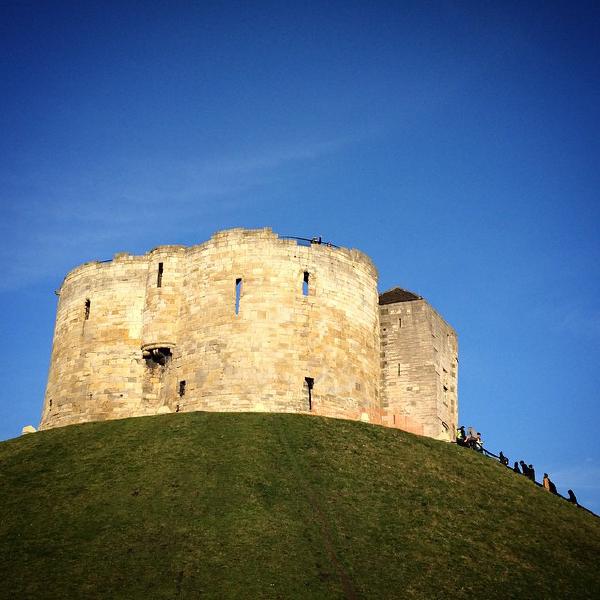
(471, 440)
(475, 442)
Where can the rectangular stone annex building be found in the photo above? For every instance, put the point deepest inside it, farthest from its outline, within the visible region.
(249, 321)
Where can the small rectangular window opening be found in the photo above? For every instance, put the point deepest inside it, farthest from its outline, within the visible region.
(88, 304)
(238, 294)
(310, 382)
(160, 274)
(182, 388)
(305, 283)
(399, 322)
(157, 356)
(399, 369)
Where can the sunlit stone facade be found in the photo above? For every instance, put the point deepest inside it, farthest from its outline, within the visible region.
(248, 321)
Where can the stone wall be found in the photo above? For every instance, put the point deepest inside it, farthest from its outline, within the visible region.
(161, 332)
(419, 367)
(248, 321)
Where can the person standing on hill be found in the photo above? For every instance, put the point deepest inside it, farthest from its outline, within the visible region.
(531, 473)
(572, 498)
(546, 482)
(524, 468)
(478, 443)
(503, 459)
(516, 468)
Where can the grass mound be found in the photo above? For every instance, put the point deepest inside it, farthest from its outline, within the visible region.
(210, 505)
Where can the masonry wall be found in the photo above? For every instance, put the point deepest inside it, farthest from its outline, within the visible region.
(103, 366)
(419, 370)
(96, 365)
(162, 332)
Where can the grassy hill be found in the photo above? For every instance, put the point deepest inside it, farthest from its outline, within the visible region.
(205, 505)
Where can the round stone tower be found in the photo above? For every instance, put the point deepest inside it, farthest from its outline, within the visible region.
(247, 321)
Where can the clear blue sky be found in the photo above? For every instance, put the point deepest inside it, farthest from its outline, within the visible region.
(457, 144)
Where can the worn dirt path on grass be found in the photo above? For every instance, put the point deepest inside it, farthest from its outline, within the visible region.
(325, 527)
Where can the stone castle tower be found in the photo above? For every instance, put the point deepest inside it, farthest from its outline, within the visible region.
(249, 321)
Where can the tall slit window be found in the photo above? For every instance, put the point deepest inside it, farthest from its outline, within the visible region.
(160, 274)
(88, 304)
(305, 283)
(238, 294)
(310, 382)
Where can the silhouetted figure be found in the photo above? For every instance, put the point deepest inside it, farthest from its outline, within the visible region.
(503, 459)
(546, 482)
(516, 468)
(531, 473)
(461, 436)
(524, 468)
(572, 498)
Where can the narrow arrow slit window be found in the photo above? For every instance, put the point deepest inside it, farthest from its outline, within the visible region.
(238, 294)
(310, 382)
(305, 283)
(160, 275)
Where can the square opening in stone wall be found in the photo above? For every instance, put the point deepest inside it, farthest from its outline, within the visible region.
(157, 356)
(182, 388)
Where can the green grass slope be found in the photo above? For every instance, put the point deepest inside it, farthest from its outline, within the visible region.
(205, 505)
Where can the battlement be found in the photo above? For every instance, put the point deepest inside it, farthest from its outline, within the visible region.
(245, 321)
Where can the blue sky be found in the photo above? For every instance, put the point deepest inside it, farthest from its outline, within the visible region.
(457, 144)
